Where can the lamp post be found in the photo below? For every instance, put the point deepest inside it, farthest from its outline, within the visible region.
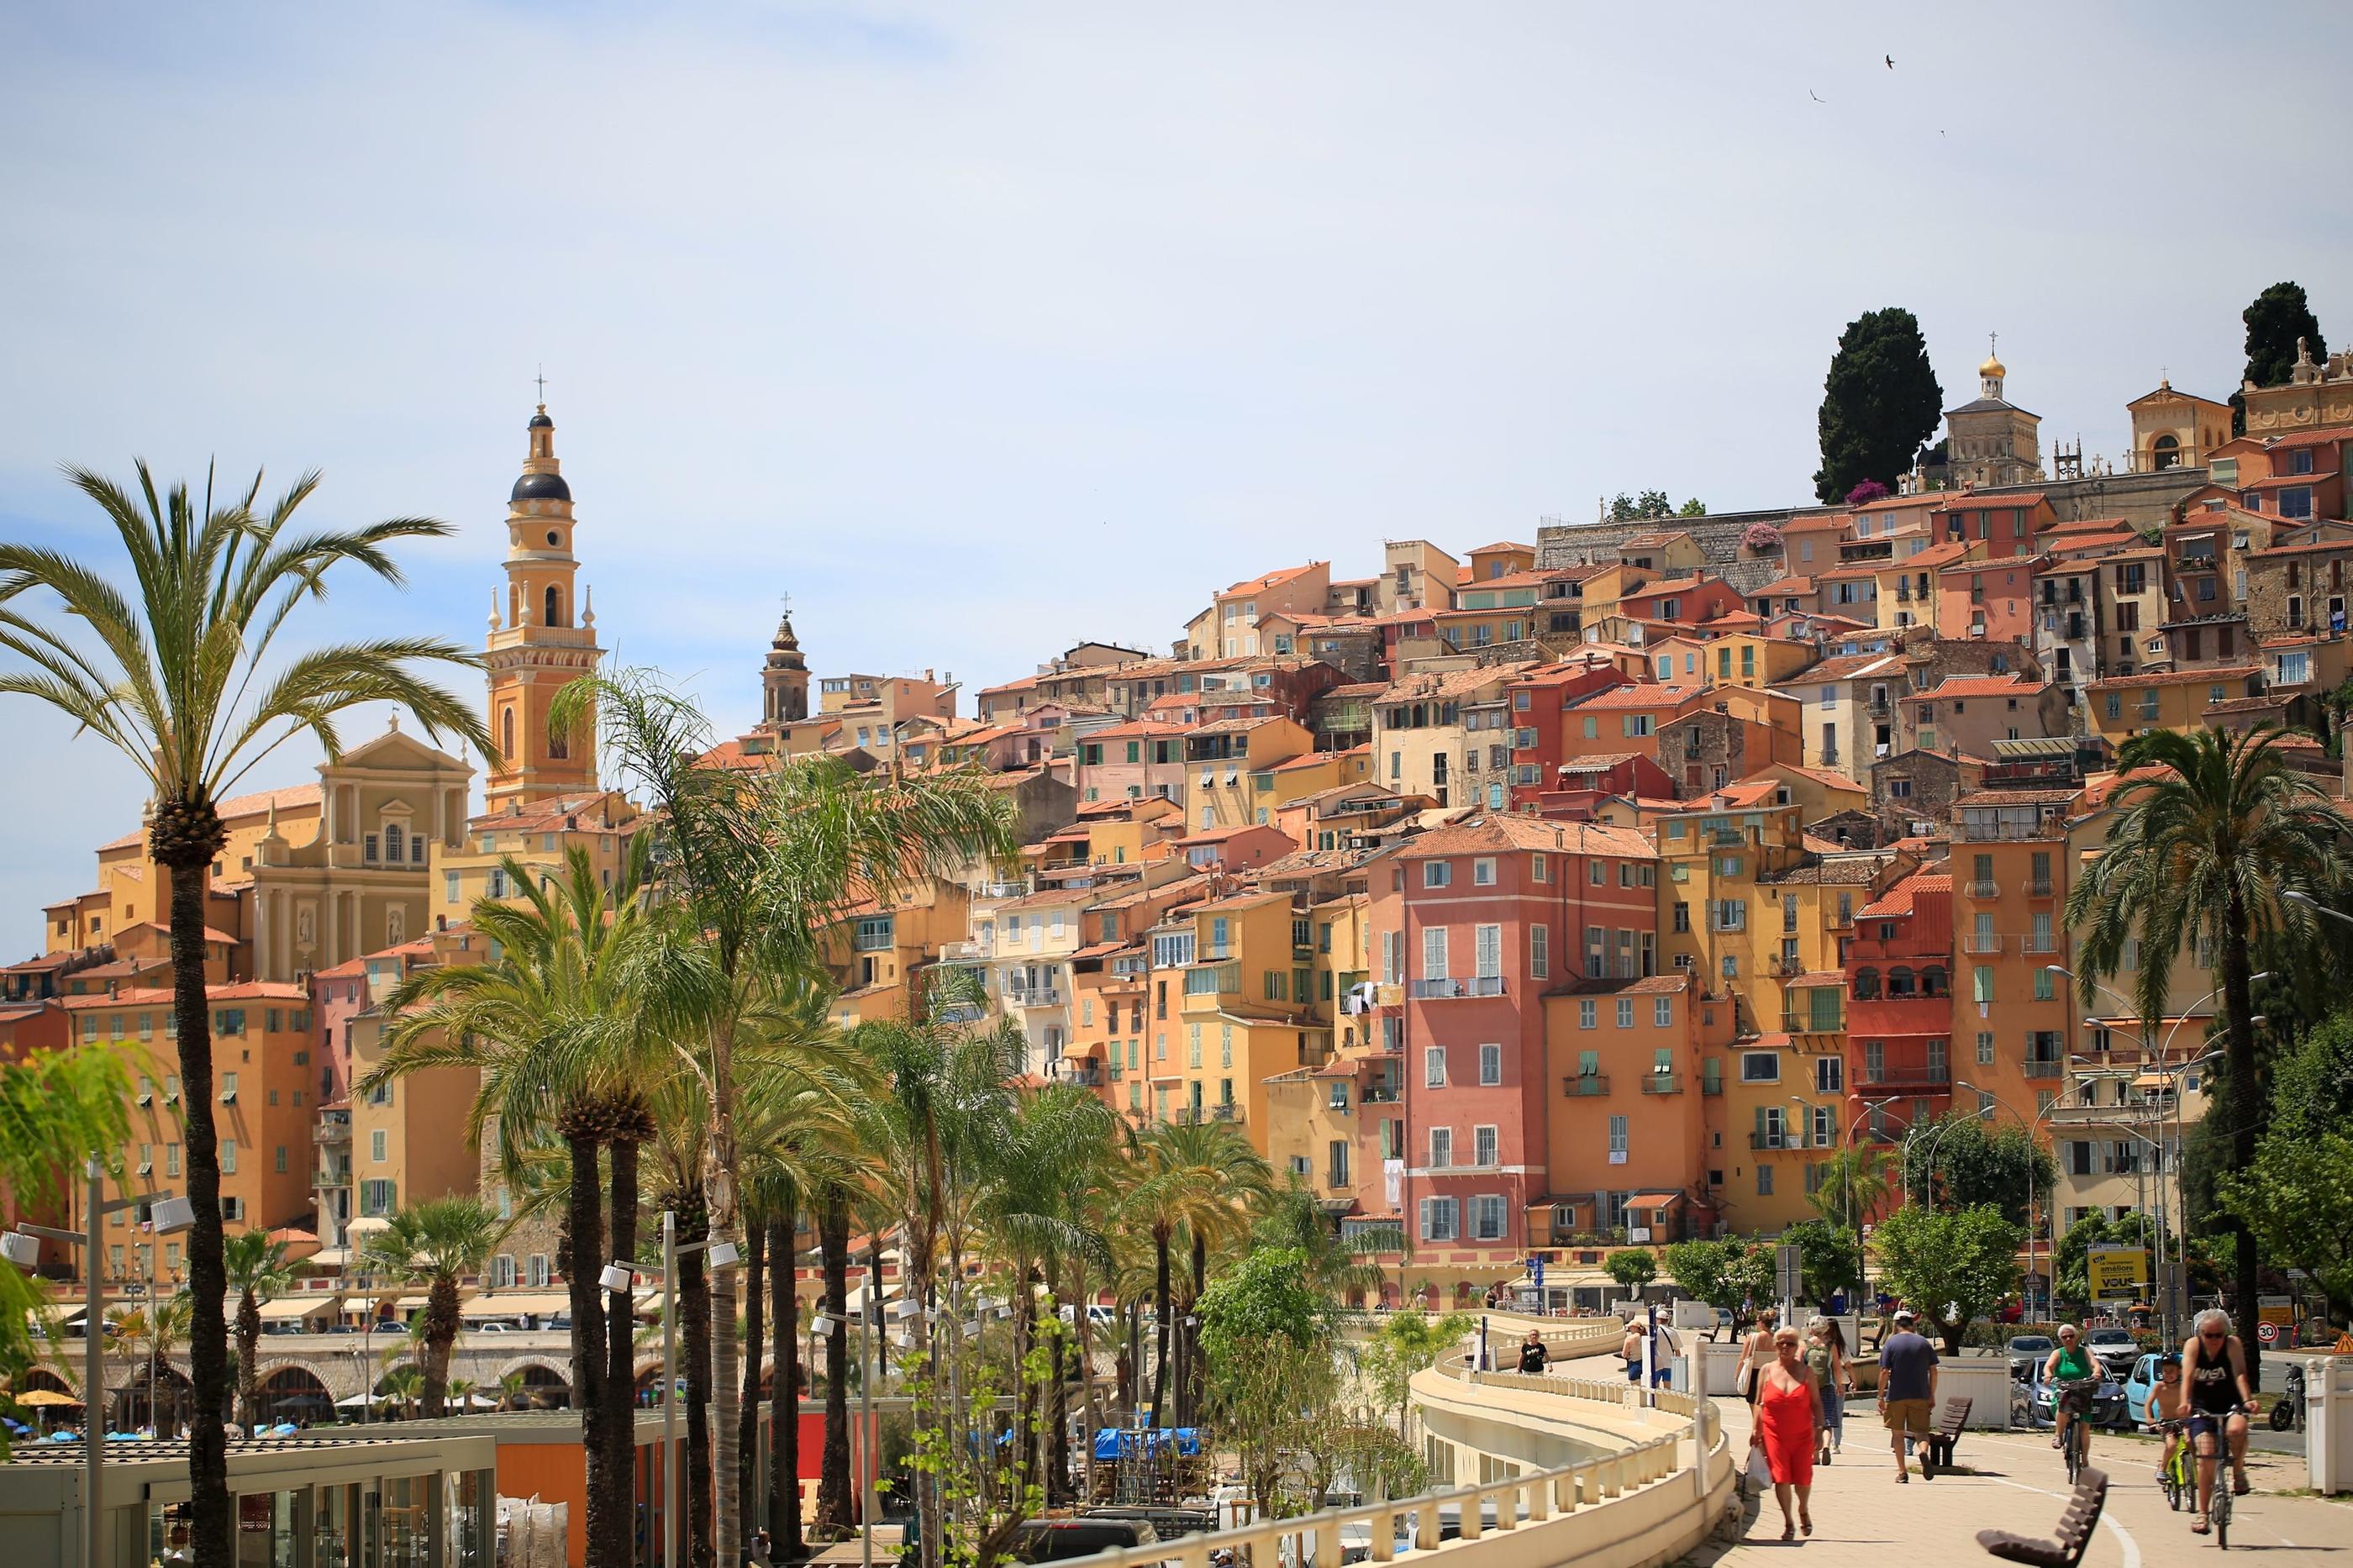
(619, 1275)
(170, 1216)
(1854, 1220)
(865, 1416)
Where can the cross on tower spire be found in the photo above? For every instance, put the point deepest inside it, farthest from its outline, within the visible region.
(541, 380)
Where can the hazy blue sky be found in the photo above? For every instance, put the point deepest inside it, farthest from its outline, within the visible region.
(980, 329)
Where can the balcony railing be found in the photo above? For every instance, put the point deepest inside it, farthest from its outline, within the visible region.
(1711, 1086)
(335, 1129)
(1807, 1023)
(1004, 889)
(1786, 968)
(1987, 888)
(1777, 1139)
(2045, 942)
(1380, 1094)
(967, 951)
(1226, 1111)
(1034, 996)
(1662, 1083)
(1443, 990)
(2037, 887)
(1908, 1077)
(2045, 1067)
(1980, 942)
(1579, 1084)
(329, 1177)
(1086, 1073)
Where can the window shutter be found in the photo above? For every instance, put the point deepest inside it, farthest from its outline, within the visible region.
(1433, 953)
(1489, 945)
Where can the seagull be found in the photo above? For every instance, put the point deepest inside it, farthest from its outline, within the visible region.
(1817, 97)
(1890, 59)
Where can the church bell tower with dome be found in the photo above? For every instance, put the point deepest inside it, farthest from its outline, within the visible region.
(541, 638)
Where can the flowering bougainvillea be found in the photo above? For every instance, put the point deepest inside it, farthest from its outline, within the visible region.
(1869, 490)
(1761, 537)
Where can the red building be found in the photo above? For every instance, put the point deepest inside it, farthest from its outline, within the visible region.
(1539, 736)
(1476, 922)
(1899, 967)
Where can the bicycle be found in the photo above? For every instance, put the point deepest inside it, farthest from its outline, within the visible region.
(2175, 1476)
(2218, 1500)
(2075, 1397)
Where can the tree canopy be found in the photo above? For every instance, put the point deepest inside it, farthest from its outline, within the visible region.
(1953, 1266)
(1975, 1160)
(1728, 1274)
(2275, 319)
(1880, 403)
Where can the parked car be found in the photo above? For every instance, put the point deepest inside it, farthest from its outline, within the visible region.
(2117, 1349)
(1061, 1540)
(2031, 1403)
(2027, 1352)
(2140, 1386)
(1166, 1522)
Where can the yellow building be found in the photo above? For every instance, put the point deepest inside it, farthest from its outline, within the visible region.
(540, 835)
(1243, 1016)
(1226, 757)
(882, 958)
(2122, 705)
(408, 1142)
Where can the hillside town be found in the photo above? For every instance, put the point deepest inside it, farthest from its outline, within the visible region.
(1521, 899)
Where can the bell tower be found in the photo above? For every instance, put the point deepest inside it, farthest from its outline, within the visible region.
(541, 638)
(784, 677)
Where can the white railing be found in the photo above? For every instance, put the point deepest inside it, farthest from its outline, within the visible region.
(1554, 1498)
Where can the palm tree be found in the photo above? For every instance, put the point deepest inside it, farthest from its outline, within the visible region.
(436, 1244)
(461, 1393)
(402, 1386)
(150, 1334)
(2213, 846)
(258, 1271)
(1195, 1177)
(179, 676)
(555, 1027)
(761, 867)
(510, 1394)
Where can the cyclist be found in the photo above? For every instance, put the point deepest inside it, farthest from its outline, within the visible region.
(2069, 1365)
(2215, 1368)
(2167, 1410)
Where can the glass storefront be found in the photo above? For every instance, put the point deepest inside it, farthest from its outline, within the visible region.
(265, 1529)
(331, 1527)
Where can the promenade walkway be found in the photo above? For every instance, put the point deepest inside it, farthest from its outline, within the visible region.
(1864, 1518)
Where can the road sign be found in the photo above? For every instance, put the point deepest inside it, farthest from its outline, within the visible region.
(1536, 1274)
(2267, 1333)
(1786, 1282)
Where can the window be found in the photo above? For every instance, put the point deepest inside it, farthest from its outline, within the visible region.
(1589, 1013)
(1487, 950)
(1437, 1219)
(281, 1158)
(1540, 951)
(1436, 873)
(1433, 1066)
(1981, 982)
(1442, 1148)
(1663, 1012)
(1491, 1065)
(1483, 1146)
(1985, 1048)
(1483, 872)
(378, 1146)
(228, 1156)
(536, 1273)
(1763, 1181)
(1617, 1140)
(1625, 1012)
(1760, 1067)
(1829, 1075)
(1433, 953)
(1487, 1218)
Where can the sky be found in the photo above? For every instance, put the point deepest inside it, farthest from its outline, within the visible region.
(981, 330)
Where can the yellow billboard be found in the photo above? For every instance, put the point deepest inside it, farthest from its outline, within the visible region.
(2116, 1272)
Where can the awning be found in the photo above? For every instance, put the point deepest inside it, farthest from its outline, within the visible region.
(856, 1300)
(291, 1309)
(366, 1226)
(515, 1304)
(1652, 1202)
(2030, 745)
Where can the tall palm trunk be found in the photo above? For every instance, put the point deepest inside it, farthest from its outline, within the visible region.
(874, 1304)
(248, 1351)
(608, 1535)
(441, 1336)
(185, 838)
(747, 1425)
(833, 1474)
(2244, 1110)
(617, 1405)
(1161, 1305)
(1196, 1383)
(720, 1179)
(784, 1543)
(1058, 1401)
(695, 1310)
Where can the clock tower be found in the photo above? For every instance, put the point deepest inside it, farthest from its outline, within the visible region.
(541, 638)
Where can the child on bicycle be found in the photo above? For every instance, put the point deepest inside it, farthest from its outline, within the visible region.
(2167, 1410)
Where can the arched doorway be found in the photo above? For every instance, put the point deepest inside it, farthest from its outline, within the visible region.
(162, 1407)
(541, 1388)
(295, 1394)
(2167, 451)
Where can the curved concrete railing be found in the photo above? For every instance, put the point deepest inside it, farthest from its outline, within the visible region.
(1645, 1478)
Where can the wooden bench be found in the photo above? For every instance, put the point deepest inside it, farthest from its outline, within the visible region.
(2075, 1527)
(1946, 1431)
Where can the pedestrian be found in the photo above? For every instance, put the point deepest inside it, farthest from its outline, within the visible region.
(1826, 1356)
(1630, 1348)
(1755, 1352)
(1532, 1352)
(1789, 1425)
(1663, 1349)
(1907, 1393)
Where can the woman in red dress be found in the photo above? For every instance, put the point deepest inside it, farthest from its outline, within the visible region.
(1788, 1427)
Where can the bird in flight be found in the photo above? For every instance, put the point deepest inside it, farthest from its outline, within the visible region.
(1890, 59)
(1817, 97)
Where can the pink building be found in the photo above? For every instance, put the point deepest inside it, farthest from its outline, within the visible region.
(1133, 760)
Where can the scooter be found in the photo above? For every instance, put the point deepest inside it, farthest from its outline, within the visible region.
(2288, 1414)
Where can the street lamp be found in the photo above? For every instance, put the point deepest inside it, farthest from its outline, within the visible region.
(865, 1412)
(170, 1215)
(618, 1277)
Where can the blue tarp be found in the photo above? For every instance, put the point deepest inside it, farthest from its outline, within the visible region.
(1188, 1438)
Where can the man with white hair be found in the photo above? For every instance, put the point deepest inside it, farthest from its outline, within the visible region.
(2214, 1366)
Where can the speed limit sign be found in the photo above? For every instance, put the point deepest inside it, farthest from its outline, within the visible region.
(2267, 1333)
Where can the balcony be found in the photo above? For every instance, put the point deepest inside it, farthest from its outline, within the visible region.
(2038, 887)
(2045, 1067)
(1577, 1085)
(329, 1178)
(967, 951)
(1226, 1111)
(1379, 1094)
(1983, 889)
(1786, 968)
(1808, 1024)
(1981, 942)
(332, 1127)
(1711, 1086)
(1033, 996)
(1004, 889)
(1726, 838)
(1085, 1073)
(1909, 1078)
(1783, 1139)
(1662, 1083)
(1455, 990)
(2043, 943)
